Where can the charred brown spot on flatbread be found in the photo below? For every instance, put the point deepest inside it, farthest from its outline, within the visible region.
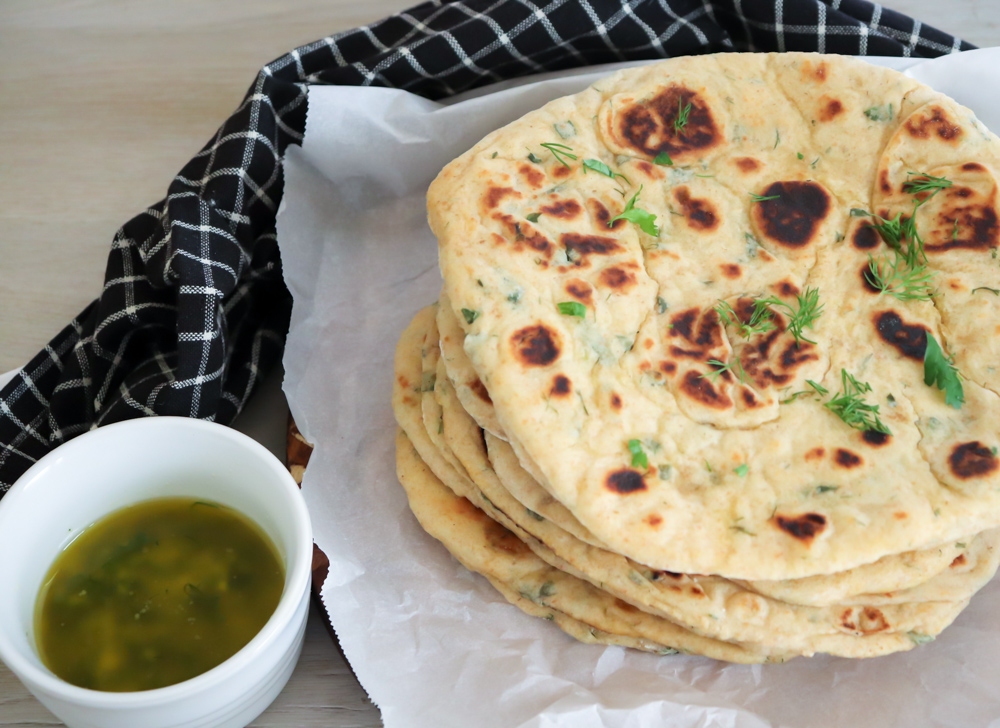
(794, 214)
(865, 237)
(883, 181)
(563, 209)
(972, 460)
(973, 167)
(536, 345)
(495, 195)
(580, 290)
(479, 389)
(909, 339)
(863, 620)
(648, 126)
(580, 247)
(768, 365)
(749, 398)
(649, 170)
(532, 176)
(668, 367)
(561, 171)
(616, 401)
(504, 540)
(617, 278)
(958, 561)
(747, 164)
(815, 454)
(965, 220)
(702, 391)
(731, 270)
(561, 386)
(875, 438)
(625, 481)
(602, 215)
(699, 214)
(682, 324)
(654, 520)
(787, 288)
(805, 527)
(831, 110)
(523, 235)
(846, 458)
(932, 121)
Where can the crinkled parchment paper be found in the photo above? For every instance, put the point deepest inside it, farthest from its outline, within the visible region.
(433, 644)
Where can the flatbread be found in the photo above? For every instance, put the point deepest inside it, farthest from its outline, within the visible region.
(587, 613)
(522, 229)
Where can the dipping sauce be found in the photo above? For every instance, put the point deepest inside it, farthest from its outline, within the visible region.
(156, 593)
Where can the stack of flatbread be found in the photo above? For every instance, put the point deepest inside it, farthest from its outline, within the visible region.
(715, 366)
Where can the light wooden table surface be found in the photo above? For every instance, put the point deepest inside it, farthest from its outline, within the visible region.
(103, 101)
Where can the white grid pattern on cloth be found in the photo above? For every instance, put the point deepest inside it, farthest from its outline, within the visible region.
(193, 310)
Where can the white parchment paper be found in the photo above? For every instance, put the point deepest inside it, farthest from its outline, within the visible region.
(433, 644)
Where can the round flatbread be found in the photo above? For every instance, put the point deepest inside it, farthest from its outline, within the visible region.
(739, 342)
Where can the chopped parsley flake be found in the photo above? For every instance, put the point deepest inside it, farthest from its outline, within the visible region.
(469, 315)
(742, 470)
(639, 459)
(663, 159)
(940, 371)
(645, 220)
(572, 308)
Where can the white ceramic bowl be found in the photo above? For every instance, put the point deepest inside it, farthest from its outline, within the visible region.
(121, 464)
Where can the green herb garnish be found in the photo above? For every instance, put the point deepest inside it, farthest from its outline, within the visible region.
(601, 168)
(534, 159)
(645, 220)
(559, 151)
(663, 159)
(683, 111)
(940, 371)
(639, 459)
(899, 280)
(800, 155)
(470, 315)
(802, 316)
(758, 198)
(572, 308)
(533, 217)
(850, 406)
(761, 318)
(721, 367)
(926, 183)
(742, 470)
(994, 291)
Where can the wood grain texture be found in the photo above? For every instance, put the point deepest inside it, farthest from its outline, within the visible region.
(104, 101)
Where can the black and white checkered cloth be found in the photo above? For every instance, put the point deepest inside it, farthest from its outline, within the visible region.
(194, 310)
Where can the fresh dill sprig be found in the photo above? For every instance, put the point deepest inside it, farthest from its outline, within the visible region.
(760, 322)
(817, 390)
(849, 405)
(803, 315)
(899, 279)
(721, 367)
(925, 183)
(683, 111)
(759, 198)
(559, 151)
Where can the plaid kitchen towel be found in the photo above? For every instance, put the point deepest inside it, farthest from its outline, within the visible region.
(194, 311)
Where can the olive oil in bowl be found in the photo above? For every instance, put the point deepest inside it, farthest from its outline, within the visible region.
(156, 593)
